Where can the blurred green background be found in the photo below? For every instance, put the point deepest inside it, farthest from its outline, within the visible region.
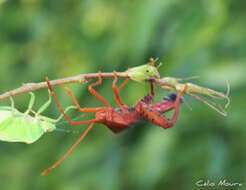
(62, 38)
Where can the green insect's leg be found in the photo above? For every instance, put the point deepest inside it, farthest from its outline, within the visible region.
(6, 108)
(31, 102)
(12, 108)
(12, 102)
(50, 120)
(45, 106)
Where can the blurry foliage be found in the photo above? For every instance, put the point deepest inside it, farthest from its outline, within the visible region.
(62, 38)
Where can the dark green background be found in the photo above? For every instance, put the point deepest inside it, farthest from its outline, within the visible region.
(61, 38)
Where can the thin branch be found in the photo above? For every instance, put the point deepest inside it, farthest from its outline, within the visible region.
(82, 78)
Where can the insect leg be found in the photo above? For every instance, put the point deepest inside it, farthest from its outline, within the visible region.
(46, 105)
(150, 97)
(87, 110)
(152, 87)
(123, 84)
(94, 93)
(31, 102)
(116, 93)
(156, 117)
(50, 120)
(65, 115)
(176, 106)
(71, 149)
(153, 116)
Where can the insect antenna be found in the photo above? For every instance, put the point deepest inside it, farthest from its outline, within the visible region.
(187, 104)
(227, 93)
(152, 61)
(66, 131)
(158, 66)
(188, 78)
(66, 122)
(71, 149)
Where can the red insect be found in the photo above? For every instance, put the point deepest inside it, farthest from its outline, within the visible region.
(123, 117)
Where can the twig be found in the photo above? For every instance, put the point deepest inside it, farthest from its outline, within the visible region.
(82, 78)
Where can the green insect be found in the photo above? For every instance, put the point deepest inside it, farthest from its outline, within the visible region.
(143, 72)
(195, 90)
(16, 126)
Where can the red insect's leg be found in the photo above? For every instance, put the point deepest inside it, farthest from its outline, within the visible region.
(123, 84)
(149, 98)
(116, 93)
(176, 106)
(87, 110)
(94, 93)
(152, 87)
(71, 149)
(156, 117)
(65, 115)
(153, 116)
